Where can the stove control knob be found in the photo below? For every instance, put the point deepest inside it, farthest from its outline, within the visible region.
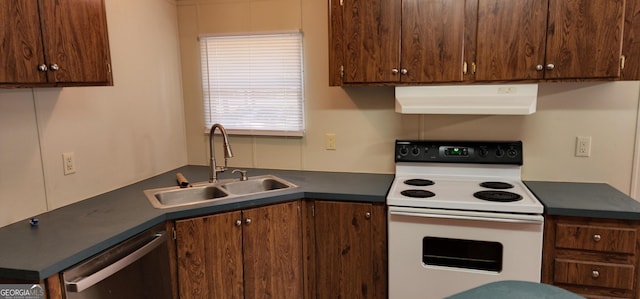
(484, 152)
(512, 153)
(404, 151)
(499, 153)
(415, 151)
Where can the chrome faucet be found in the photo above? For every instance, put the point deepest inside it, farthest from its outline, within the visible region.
(213, 169)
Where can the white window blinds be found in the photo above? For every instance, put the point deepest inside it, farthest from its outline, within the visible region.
(252, 84)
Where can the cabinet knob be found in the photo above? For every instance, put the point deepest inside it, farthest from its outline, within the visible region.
(403, 71)
(247, 221)
(394, 71)
(43, 68)
(539, 67)
(367, 215)
(54, 67)
(238, 222)
(597, 238)
(550, 66)
(595, 273)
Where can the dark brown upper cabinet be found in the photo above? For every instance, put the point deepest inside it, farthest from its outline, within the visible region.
(510, 39)
(433, 41)
(631, 43)
(549, 39)
(54, 43)
(398, 41)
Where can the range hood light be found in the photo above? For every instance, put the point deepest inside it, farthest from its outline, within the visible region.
(502, 99)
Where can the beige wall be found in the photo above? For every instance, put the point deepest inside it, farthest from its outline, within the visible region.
(120, 134)
(366, 125)
(136, 129)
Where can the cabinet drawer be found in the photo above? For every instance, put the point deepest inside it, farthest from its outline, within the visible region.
(597, 238)
(606, 275)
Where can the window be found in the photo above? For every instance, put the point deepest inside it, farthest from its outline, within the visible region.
(252, 84)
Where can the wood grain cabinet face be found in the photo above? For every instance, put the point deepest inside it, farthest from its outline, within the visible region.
(596, 258)
(351, 247)
(511, 39)
(431, 41)
(54, 43)
(584, 38)
(549, 39)
(410, 41)
(631, 42)
(244, 254)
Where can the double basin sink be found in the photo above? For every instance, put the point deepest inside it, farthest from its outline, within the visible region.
(224, 191)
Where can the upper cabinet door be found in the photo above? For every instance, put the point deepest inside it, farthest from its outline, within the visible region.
(631, 42)
(75, 36)
(432, 40)
(584, 38)
(20, 42)
(511, 39)
(371, 40)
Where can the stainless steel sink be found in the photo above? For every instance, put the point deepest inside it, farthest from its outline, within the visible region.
(256, 185)
(176, 196)
(224, 191)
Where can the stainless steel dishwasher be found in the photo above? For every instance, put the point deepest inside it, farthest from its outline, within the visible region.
(136, 268)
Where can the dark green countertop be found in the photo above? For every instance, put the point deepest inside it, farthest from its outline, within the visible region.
(598, 200)
(70, 234)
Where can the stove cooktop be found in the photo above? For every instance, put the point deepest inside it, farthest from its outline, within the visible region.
(470, 176)
(457, 193)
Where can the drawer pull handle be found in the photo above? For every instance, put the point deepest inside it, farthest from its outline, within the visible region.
(597, 238)
(595, 273)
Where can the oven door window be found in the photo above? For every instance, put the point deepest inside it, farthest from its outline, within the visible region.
(458, 253)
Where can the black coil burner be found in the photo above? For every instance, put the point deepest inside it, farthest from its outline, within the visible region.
(498, 196)
(419, 182)
(418, 193)
(496, 185)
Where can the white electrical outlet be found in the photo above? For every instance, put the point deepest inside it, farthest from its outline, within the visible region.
(330, 141)
(583, 146)
(69, 163)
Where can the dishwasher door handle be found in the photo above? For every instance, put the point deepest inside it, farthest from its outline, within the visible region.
(84, 283)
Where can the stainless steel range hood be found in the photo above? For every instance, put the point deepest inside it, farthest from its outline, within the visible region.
(503, 99)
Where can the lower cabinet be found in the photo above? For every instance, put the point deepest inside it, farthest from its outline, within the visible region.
(309, 249)
(253, 253)
(596, 258)
(350, 250)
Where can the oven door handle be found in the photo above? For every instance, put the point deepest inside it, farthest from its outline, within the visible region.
(462, 215)
(84, 283)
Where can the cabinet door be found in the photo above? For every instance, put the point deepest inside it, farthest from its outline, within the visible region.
(511, 39)
(371, 40)
(75, 39)
(350, 255)
(432, 40)
(584, 38)
(20, 42)
(631, 42)
(273, 251)
(209, 253)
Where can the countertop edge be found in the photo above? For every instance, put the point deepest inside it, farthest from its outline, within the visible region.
(305, 191)
(578, 199)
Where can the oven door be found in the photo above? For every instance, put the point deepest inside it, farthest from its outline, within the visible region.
(436, 253)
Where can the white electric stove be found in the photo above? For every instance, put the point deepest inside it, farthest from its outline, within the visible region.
(459, 211)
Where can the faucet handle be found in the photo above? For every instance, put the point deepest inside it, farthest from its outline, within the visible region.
(243, 174)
